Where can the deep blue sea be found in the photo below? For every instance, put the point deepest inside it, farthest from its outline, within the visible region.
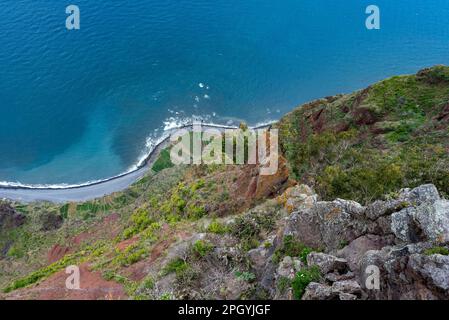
(84, 105)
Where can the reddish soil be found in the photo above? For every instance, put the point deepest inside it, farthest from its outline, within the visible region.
(127, 243)
(107, 227)
(93, 287)
(138, 271)
(56, 253)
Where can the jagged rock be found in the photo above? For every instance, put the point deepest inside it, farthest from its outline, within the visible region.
(433, 270)
(335, 276)
(266, 185)
(433, 219)
(382, 208)
(298, 264)
(347, 296)
(404, 273)
(286, 269)
(328, 224)
(347, 286)
(258, 257)
(289, 267)
(318, 291)
(268, 278)
(304, 227)
(391, 235)
(9, 217)
(428, 222)
(298, 198)
(326, 262)
(407, 198)
(381, 227)
(419, 195)
(354, 252)
(404, 227)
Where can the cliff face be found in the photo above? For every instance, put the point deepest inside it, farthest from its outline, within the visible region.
(226, 232)
(367, 144)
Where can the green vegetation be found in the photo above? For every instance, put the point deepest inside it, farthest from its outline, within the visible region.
(132, 254)
(437, 250)
(43, 273)
(292, 248)
(185, 202)
(217, 228)
(177, 266)
(245, 276)
(283, 283)
(374, 142)
(163, 162)
(302, 279)
(202, 248)
(249, 227)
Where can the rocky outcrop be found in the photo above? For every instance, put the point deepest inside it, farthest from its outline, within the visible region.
(400, 241)
(326, 263)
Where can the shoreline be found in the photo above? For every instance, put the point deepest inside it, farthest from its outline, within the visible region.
(97, 189)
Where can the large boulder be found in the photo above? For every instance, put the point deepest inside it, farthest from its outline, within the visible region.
(300, 197)
(327, 263)
(328, 224)
(427, 222)
(354, 251)
(288, 267)
(419, 195)
(318, 291)
(347, 287)
(406, 273)
(343, 290)
(433, 270)
(390, 236)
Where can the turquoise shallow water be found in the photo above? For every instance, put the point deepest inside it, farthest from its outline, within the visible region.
(78, 106)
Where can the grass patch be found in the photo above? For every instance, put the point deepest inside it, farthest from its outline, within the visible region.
(163, 161)
(303, 278)
(437, 250)
(202, 248)
(292, 248)
(217, 227)
(177, 266)
(43, 273)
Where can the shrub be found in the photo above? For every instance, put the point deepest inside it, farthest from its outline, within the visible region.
(245, 276)
(302, 280)
(141, 220)
(148, 283)
(292, 248)
(202, 248)
(283, 283)
(130, 255)
(177, 266)
(217, 227)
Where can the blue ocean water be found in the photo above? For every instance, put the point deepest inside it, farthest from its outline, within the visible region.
(83, 105)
